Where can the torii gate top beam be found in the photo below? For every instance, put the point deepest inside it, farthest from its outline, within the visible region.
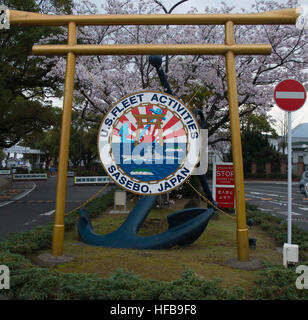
(287, 16)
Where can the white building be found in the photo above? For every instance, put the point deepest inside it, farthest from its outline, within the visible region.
(300, 144)
(15, 155)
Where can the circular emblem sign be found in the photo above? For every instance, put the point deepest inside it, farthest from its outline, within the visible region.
(149, 142)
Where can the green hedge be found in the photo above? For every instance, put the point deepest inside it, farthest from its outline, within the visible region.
(42, 284)
(278, 229)
(275, 282)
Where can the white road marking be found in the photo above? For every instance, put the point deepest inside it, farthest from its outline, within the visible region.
(23, 194)
(305, 208)
(18, 197)
(49, 213)
(264, 209)
(5, 203)
(285, 213)
(281, 203)
(266, 194)
(32, 221)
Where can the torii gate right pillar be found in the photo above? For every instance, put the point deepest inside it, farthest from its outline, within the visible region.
(242, 231)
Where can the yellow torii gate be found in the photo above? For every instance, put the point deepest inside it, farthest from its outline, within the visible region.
(229, 50)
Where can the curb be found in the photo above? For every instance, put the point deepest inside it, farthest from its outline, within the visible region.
(23, 192)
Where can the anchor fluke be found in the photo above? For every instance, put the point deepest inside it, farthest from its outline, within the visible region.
(185, 226)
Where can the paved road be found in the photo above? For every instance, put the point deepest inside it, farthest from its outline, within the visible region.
(272, 197)
(27, 204)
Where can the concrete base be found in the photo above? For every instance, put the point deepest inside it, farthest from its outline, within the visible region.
(252, 264)
(47, 260)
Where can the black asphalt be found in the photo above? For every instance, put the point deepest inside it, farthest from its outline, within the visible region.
(272, 197)
(27, 204)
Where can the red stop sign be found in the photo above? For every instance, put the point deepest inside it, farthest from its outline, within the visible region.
(224, 174)
(290, 95)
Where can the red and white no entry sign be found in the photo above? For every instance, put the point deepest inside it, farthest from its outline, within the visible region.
(290, 95)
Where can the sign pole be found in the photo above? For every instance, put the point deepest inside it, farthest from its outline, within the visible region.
(290, 95)
(289, 179)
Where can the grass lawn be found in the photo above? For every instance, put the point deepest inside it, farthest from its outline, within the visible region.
(206, 256)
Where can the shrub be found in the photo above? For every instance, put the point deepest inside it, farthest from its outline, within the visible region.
(38, 284)
(276, 282)
(15, 262)
(33, 284)
(277, 228)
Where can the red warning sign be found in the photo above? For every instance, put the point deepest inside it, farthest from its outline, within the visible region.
(223, 184)
(225, 197)
(224, 174)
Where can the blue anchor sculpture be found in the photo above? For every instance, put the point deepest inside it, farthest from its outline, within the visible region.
(185, 226)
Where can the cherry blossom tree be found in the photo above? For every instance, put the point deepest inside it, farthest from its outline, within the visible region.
(102, 80)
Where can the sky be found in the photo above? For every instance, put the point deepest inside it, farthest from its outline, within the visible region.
(298, 117)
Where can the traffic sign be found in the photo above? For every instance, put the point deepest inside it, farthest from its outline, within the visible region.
(223, 184)
(224, 174)
(290, 95)
(225, 197)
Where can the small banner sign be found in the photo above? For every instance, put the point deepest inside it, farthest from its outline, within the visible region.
(5, 172)
(70, 174)
(30, 176)
(92, 180)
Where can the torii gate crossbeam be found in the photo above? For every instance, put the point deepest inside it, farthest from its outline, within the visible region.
(229, 50)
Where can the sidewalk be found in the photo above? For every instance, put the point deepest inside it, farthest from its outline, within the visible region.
(11, 190)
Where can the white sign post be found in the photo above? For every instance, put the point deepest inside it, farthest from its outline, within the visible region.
(290, 95)
(289, 177)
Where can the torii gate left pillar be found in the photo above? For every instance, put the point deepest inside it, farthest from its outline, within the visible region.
(58, 228)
